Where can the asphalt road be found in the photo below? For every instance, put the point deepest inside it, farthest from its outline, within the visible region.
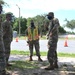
(22, 45)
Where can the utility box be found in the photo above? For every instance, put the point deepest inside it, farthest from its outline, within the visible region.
(15, 34)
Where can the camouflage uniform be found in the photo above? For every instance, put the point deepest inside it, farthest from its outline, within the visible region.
(7, 37)
(52, 42)
(2, 49)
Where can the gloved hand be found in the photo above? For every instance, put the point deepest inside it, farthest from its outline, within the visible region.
(28, 42)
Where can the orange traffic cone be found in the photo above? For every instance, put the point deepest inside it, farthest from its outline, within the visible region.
(66, 38)
(65, 44)
(17, 39)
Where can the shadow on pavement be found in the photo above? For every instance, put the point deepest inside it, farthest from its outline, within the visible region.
(37, 68)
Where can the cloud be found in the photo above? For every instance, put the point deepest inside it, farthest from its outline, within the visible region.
(48, 5)
(29, 6)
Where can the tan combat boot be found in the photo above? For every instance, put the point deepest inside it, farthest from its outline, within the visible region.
(39, 59)
(30, 58)
(56, 65)
(50, 67)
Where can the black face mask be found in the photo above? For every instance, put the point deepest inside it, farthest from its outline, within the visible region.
(32, 25)
(10, 19)
(50, 17)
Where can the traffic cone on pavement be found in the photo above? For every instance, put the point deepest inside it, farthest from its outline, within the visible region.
(17, 39)
(65, 44)
(66, 37)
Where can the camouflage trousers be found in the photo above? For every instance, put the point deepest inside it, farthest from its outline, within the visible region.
(7, 49)
(2, 63)
(52, 53)
(2, 57)
(32, 44)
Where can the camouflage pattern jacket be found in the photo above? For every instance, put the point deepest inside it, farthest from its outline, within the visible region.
(7, 31)
(54, 28)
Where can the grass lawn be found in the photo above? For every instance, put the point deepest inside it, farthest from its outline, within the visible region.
(15, 52)
(42, 38)
(26, 65)
(29, 65)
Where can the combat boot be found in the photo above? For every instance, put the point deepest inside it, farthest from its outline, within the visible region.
(39, 59)
(50, 67)
(30, 58)
(56, 65)
(5, 73)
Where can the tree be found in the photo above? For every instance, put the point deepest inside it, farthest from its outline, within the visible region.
(61, 30)
(23, 25)
(15, 25)
(70, 24)
(28, 21)
(2, 2)
(1, 8)
(41, 20)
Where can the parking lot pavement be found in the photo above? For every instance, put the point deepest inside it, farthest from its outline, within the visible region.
(22, 45)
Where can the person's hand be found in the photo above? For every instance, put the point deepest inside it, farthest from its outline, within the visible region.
(50, 34)
(27, 43)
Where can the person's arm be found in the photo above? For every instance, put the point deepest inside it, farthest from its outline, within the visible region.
(11, 33)
(56, 26)
(49, 30)
(3, 28)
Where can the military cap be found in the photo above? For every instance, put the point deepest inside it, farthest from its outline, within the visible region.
(50, 13)
(8, 14)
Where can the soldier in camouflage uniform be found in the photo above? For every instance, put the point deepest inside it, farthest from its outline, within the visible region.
(52, 42)
(2, 49)
(32, 33)
(7, 36)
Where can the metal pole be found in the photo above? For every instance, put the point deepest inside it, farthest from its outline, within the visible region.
(19, 21)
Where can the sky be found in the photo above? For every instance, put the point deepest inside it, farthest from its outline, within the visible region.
(30, 8)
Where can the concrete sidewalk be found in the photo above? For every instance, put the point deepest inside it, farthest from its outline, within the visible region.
(66, 66)
(23, 57)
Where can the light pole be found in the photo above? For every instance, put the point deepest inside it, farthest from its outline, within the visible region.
(19, 21)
